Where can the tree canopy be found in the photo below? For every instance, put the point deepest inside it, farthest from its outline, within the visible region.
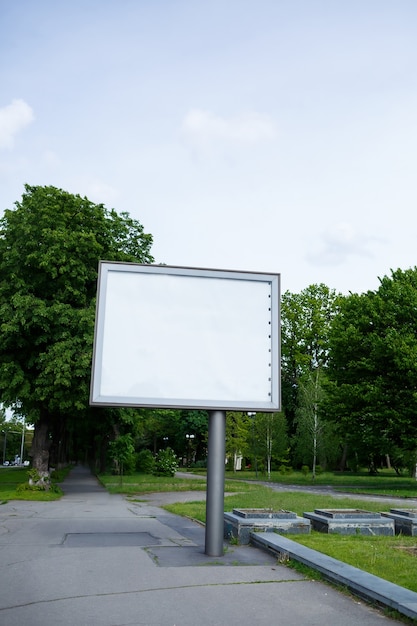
(349, 364)
(50, 245)
(373, 366)
(306, 323)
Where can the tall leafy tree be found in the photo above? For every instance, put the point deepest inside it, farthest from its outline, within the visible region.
(373, 366)
(191, 438)
(306, 320)
(237, 436)
(270, 440)
(50, 245)
(181, 430)
(314, 440)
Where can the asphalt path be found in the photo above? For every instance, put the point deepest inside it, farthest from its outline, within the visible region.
(95, 559)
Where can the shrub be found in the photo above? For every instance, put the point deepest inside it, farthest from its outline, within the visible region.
(122, 452)
(39, 481)
(202, 464)
(145, 462)
(305, 470)
(53, 488)
(165, 463)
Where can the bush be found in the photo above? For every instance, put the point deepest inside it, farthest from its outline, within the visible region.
(129, 466)
(165, 463)
(122, 452)
(39, 481)
(145, 462)
(32, 487)
(305, 470)
(202, 464)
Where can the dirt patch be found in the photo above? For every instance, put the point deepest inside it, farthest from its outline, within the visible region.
(409, 549)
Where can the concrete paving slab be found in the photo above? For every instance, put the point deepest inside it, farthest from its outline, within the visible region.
(44, 581)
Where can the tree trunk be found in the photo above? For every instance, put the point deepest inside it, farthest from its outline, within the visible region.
(269, 450)
(342, 465)
(58, 449)
(39, 452)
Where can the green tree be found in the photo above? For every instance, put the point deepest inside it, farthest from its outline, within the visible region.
(373, 367)
(237, 436)
(314, 441)
(158, 428)
(306, 320)
(50, 245)
(269, 439)
(12, 438)
(122, 452)
(170, 427)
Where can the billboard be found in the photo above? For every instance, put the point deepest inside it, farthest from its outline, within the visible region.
(186, 338)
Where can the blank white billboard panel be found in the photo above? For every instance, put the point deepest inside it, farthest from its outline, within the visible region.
(182, 337)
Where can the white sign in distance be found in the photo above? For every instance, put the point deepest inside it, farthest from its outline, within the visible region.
(186, 338)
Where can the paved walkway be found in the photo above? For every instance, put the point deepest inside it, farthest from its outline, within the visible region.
(95, 559)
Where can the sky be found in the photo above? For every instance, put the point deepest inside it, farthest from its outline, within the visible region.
(255, 135)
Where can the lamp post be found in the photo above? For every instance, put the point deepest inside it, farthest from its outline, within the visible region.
(252, 414)
(15, 432)
(189, 439)
(4, 445)
(23, 443)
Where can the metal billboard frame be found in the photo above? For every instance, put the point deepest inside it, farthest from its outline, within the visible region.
(212, 334)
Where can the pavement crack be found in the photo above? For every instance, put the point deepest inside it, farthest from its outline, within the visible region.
(149, 590)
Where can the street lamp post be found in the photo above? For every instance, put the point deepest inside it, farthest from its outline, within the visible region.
(15, 432)
(251, 414)
(189, 439)
(4, 445)
(23, 443)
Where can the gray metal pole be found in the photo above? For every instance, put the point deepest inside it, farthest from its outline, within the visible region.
(4, 445)
(215, 483)
(23, 443)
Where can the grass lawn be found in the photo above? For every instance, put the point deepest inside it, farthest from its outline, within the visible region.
(145, 483)
(386, 482)
(11, 477)
(391, 558)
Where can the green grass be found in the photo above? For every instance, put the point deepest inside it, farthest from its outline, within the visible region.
(11, 477)
(265, 498)
(391, 558)
(386, 482)
(145, 483)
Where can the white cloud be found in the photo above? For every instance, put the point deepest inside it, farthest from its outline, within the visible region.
(13, 118)
(204, 128)
(337, 244)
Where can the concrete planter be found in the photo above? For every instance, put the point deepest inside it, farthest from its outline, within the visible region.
(350, 522)
(405, 521)
(241, 522)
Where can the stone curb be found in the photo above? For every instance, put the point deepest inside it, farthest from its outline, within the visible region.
(361, 583)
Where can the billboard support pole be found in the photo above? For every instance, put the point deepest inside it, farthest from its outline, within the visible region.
(215, 483)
